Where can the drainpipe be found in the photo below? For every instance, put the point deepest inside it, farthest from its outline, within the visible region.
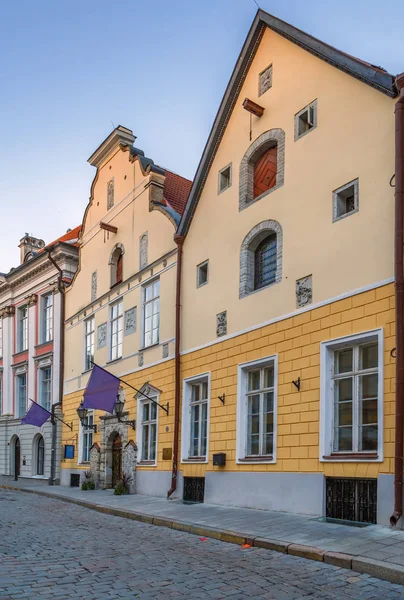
(61, 366)
(399, 293)
(179, 240)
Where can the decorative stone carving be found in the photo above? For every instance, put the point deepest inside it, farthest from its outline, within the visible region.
(265, 80)
(143, 250)
(32, 300)
(110, 193)
(7, 311)
(165, 350)
(94, 286)
(304, 291)
(102, 468)
(140, 359)
(95, 458)
(130, 321)
(129, 460)
(102, 335)
(221, 323)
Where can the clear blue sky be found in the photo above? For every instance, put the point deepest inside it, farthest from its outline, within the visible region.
(70, 69)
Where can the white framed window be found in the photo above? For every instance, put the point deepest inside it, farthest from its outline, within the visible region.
(45, 387)
(116, 329)
(151, 313)
(47, 318)
(256, 410)
(87, 436)
(21, 394)
(89, 342)
(345, 200)
(224, 178)
(351, 401)
(306, 120)
(195, 418)
(22, 329)
(147, 429)
(202, 274)
(1, 337)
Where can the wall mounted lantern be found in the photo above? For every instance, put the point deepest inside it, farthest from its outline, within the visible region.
(119, 405)
(82, 414)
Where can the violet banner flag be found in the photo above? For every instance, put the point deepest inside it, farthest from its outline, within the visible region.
(102, 390)
(36, 415)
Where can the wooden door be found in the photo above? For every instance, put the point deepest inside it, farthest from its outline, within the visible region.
(116, 460)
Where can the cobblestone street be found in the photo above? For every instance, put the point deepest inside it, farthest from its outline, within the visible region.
(50, 549)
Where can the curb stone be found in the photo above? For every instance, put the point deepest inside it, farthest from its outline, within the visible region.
(376, 568)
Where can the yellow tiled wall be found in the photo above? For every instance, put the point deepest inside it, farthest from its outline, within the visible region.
(296, 341)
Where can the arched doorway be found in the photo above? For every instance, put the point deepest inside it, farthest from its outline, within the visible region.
(17, 458)
(116, 459)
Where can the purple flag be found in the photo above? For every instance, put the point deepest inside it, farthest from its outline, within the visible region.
(102, 390)
(36, 415)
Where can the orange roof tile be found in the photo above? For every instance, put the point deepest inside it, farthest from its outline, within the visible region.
(73, 234)
(176, 191)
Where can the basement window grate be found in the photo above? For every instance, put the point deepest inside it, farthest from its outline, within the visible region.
(74, 480)
(351, 499)
(194, 489)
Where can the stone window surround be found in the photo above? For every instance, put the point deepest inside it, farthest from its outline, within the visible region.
(326, 398)
(297, 115)
(230, 167)
(342, 188)
(241, 422)
(267, 140)
(247, 255)
(186, 417)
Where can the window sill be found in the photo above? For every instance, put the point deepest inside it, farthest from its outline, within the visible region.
(143, 348)
(39, 346)
(356, 456)
(114, 285)
(111, 362)
(147, 463)
(256, 459)
(195, 459)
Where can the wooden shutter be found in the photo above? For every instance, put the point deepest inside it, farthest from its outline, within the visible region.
(265, 171)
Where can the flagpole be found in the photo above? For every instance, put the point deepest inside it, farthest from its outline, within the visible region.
(165, 408)
(52, 414)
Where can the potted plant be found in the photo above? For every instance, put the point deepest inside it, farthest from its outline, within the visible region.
(88, 483)
(123, 486)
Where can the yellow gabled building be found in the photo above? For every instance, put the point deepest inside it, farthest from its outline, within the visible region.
(288, 301)
(119, 314)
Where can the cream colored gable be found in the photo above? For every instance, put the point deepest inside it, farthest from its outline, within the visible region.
(354, 138)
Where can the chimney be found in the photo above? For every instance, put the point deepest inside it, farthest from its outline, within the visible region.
(29, 246)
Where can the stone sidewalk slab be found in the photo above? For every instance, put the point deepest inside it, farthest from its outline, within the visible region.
(375, 550)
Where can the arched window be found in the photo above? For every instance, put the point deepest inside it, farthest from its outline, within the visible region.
(40, 457)
(116, 262)
(262, 167)
(265, 262)
(261, 257)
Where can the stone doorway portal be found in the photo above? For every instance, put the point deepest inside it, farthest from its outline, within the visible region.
(116, 459)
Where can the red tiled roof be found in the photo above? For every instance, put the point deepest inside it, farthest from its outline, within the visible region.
(176, 191)
(73, 234)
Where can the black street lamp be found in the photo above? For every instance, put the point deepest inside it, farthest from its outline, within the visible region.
(82, 414)
(119, 405)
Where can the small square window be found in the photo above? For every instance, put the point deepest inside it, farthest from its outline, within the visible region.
(346, 200)
(265, 80)
(306, 120)
(224, 178)
(202, 273)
